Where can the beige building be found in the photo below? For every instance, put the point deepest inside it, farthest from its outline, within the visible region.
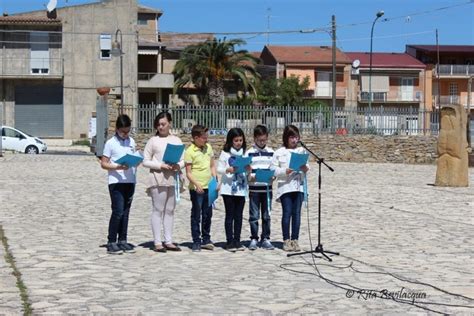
(51, 68)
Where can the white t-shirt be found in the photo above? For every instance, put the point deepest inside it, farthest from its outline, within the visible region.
(287, 183)
(115, 148)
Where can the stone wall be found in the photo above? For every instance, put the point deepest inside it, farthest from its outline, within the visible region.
(351, 148)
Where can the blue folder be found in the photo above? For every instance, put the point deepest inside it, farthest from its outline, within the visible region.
(173, 153)
(240, 163)
(264, 175)
(130, 160)
(298, 160)
(212, 192)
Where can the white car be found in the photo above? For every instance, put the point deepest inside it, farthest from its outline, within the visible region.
(14, 139)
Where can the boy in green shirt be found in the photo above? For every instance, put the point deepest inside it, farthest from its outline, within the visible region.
(200, 168)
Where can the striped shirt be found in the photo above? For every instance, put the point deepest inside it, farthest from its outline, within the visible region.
(261, 159)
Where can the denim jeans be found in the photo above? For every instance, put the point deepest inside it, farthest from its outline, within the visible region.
(291, 204)
(234, 209)
(199, 210)
(121, 195)
(259, 203)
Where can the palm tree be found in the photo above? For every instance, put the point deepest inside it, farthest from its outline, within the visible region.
(209, 64)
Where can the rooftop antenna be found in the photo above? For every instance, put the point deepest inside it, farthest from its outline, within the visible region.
(269, 11)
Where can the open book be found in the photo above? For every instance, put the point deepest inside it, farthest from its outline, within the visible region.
(130, 160)
(298, 160)
(173, 153)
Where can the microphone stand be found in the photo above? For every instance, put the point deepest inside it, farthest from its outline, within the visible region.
(319, 248)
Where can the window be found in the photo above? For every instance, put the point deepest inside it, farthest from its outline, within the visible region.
(142, 21)
(453, 93)
(7, 132)
(39, 52)
(105, 46)
(453, 89)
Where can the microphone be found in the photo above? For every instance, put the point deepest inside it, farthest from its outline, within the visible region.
(301, 143)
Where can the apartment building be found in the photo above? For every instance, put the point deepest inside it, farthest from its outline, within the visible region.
(50, 89)
(397, 80)
(51, 68)
(450, 80)
(31, 74)
(314, 62)
(158, 53)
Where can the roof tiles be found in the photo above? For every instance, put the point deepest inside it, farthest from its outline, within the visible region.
(386, 60)
(306, 54)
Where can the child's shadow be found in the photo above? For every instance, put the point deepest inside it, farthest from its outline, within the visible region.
(148, 244)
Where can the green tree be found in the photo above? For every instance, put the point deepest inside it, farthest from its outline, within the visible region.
(210, 64)
(283, 91)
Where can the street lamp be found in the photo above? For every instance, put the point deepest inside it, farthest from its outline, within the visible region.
(379, 15)
(117, 51)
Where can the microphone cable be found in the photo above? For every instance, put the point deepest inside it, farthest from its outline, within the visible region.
(351, 290)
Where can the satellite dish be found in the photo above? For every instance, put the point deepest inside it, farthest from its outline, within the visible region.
(51, 5)
(51, 9)
(356, 63)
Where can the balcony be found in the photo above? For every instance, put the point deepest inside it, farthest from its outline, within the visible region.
(455, 71)
(450, 99)
(326, 93)
(392, 96)
(155, 80)
(46, 68)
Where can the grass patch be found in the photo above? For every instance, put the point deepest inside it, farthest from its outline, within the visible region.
(81, 142)
(27, 309)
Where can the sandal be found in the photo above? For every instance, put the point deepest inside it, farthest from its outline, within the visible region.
(172, 248)
(160, 249)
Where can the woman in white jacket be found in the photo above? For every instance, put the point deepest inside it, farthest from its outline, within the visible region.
(290, 187)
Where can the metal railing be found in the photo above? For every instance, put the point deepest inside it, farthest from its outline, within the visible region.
(455, 70)
(450, 99)
(392, 96)
(309, 119)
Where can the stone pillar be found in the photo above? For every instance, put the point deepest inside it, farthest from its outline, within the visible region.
(452, 164)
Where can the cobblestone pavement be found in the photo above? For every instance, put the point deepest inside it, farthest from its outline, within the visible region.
(380, 217)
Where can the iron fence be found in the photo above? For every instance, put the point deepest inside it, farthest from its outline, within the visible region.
(309, 119)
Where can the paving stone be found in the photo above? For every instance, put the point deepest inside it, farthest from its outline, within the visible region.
(380, 217)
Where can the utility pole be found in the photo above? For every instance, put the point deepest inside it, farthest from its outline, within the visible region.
(334, 73)
(437, 82)
(469, 91)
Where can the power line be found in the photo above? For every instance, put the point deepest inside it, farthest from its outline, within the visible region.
(351, 39)
(291, 31)
(253, 42)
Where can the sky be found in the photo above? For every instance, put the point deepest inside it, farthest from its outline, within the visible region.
(308, 22)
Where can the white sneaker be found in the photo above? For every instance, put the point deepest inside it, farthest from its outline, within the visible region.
(253, 244)
(266, 244)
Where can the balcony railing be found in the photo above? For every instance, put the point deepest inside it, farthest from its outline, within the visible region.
(392, 96)
(450, 99)
(155, 80)
(21, 67)
(326, 92)
(455, 70)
